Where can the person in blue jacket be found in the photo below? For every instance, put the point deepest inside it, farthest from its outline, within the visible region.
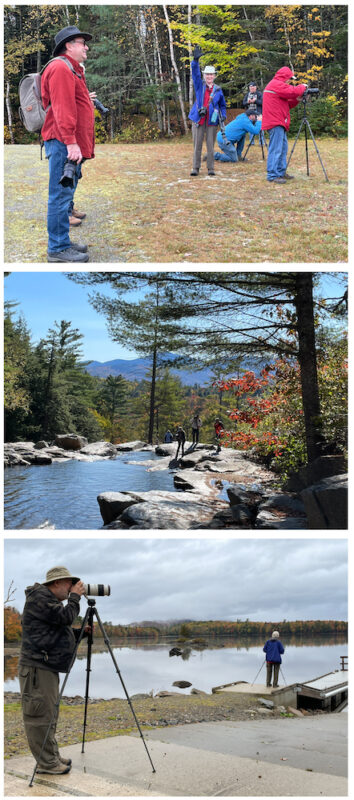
(232, 140)
(273, 649)
(209, 106)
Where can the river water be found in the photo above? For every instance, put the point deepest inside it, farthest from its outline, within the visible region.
(149, 667)
(64, 495)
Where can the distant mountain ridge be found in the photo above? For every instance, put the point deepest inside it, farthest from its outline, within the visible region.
(137, 368)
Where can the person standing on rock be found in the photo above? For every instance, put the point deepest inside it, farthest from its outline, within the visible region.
(181, 439)
(196, 426)
(48, 645)
(273, 649)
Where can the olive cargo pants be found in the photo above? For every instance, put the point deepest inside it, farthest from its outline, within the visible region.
(39, 694)
(272, 666)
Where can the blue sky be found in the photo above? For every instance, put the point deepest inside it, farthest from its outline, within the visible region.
(46, 297)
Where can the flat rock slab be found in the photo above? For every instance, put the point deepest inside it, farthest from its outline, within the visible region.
(224, 759)
(126, 447)
(167, 514)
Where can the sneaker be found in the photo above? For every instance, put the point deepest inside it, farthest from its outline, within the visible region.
(59, 769)
(69, 254)
(67, 761)
(73, 221)
(78, 214)
(81, 248)
(288, 177)
(279, 180)
(211, 172)
(194, 172)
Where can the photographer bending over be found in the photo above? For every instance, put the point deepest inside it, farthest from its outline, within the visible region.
(210, 102)
(69, 134)
(278, 99)
(48, 644)
(235, 133)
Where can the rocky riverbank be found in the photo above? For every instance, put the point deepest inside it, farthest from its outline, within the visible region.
(113, 717)
(215, 489)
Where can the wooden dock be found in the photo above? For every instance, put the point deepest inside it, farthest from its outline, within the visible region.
(327, 692)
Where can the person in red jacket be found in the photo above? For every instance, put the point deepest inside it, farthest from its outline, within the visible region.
(68, 133)
(278, 99)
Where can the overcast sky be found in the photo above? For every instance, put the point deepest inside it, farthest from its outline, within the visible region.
(162, 579)
(46, 297)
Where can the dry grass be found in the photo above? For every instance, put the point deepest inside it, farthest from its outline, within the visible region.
(142, 206)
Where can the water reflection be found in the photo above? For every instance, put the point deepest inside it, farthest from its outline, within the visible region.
(149, 667)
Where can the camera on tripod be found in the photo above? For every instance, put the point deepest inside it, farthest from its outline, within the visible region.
(311, 92)
(96, 590)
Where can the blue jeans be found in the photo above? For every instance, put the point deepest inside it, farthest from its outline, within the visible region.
(230, 151)
(277, 153)
(59, 197)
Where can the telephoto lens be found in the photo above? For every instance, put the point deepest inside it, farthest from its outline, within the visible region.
(97, 590)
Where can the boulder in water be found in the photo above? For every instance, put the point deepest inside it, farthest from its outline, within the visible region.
(70, 441)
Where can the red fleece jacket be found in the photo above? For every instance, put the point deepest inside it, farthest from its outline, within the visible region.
(70, 117)
(278, 98)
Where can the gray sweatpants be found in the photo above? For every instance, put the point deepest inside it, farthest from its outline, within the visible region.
(39, 694)
(198, 132)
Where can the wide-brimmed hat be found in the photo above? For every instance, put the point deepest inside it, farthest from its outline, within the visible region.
(70, 32)
(57, 574)
(209, 70)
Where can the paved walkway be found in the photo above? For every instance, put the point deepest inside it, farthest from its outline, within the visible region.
(207, 759)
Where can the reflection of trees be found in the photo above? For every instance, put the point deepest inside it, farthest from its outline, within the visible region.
(10, 667)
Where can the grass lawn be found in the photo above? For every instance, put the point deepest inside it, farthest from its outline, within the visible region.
(143, 206)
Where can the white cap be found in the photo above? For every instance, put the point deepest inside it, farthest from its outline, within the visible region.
(209, 71)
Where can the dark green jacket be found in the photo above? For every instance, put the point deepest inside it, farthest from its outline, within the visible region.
(48, 639)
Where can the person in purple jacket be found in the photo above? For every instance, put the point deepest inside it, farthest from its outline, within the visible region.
(273, 649)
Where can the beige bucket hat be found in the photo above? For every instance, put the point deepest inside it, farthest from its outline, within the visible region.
(57, 574)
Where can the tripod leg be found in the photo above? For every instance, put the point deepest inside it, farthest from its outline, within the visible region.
(107, 643)
(56, 710)
(258, 672)
(294, 145)
(88, 670)
(307, 151)
(317, 150)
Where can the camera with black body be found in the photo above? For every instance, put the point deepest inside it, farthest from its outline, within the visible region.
(67, 178)
(310, 92)
(100, 107)
(202, 111)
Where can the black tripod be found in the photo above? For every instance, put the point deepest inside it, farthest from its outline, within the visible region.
(305, 124)
(91, 612)
(262, 142)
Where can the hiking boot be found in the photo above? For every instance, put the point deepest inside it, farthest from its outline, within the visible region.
(66, 761)
(211, 172)
(288, 177)
(81, 248)
(194, 172)
(78, 214)
(279, 180)
(68, 255)
(59, 769)
(73, 221)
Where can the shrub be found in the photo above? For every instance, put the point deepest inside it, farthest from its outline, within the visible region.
(326, 117)
(139, 130)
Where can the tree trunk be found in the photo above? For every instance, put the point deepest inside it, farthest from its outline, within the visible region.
(308, 364)
(9, 112)
(178, 80)
(191, 95)
(152, 397)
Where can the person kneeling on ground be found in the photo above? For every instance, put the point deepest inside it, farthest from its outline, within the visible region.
(273, 649)
(69, 134)
(235, 134)
(208, 108)
(278, 99)
(48, 645)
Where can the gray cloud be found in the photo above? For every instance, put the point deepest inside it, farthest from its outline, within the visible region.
(195, 578)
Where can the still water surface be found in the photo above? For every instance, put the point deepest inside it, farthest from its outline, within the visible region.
(65, 494)
(149, 667)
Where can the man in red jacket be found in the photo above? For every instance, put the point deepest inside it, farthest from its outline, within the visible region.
(68, 133)
(278, 99)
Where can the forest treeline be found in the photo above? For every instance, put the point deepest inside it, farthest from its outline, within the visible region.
(197, 631)
(288, 412)
(139, 59)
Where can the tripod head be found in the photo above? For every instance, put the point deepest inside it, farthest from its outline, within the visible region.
(91, 602)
